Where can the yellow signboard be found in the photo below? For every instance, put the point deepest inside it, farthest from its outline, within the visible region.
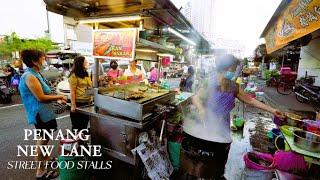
(300, 18)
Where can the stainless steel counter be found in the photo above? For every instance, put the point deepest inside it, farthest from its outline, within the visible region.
(118, 135)
(91, 111)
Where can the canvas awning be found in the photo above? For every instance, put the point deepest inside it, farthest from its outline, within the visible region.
(293, 19)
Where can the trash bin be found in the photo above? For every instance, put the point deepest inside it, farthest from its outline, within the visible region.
(72, 173)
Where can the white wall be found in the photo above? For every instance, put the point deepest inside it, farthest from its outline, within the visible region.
(56, 27)
(310, 60)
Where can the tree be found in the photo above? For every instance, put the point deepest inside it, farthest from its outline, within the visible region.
(42, 44)
(13, 43)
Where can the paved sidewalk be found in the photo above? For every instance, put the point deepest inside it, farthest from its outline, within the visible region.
(285, 102)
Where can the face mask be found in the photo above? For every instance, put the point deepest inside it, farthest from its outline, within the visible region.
(42, 66)
(114, 66)
(229, 75)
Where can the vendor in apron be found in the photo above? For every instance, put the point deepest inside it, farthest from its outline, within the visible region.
(133, 73)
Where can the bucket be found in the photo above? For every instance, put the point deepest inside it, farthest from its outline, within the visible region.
(174, 154)
(67, 145)
(258, 166)
(287, 176)
(250, 174)
(290, 162)
(72, 173)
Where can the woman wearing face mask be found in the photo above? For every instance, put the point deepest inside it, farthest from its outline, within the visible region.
(114, 71)
(215, 103)
(80, 84)
(35, 95)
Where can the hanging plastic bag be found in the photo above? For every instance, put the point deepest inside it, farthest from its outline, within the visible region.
(291, 162)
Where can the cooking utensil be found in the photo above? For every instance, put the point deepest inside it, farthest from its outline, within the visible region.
(307, 140)
(161, 133)
(294, 120)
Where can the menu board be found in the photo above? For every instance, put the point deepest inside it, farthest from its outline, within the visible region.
(115, 43)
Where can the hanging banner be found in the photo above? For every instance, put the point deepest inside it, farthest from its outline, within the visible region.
(115, 43)
(300, 18)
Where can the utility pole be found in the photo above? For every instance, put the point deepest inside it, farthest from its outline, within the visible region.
(48, 26)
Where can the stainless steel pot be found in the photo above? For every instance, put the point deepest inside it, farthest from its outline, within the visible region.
(197, 160)
(307, 140)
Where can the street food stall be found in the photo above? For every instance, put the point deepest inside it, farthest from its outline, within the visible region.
(292, 35)
(125, 111)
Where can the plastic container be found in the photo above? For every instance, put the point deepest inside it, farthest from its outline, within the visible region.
(290, 162)
(250, 174)
(277, 121)
(259, 161)
(238, 122)
(287, 176)
(174, 154)
(255, 170)
(288, 130)
(71, 173)
(311, 126)
(67, 145)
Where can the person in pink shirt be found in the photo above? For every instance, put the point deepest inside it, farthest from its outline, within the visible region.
(114, 71)
(153, 74)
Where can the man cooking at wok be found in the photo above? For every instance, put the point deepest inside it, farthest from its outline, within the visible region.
(214, 104)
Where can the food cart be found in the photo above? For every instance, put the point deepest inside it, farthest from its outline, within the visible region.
(123, 112)
(143, 30)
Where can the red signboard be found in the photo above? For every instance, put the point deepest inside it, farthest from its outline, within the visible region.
(115, 43)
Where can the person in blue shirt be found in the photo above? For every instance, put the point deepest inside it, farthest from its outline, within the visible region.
(36, 97)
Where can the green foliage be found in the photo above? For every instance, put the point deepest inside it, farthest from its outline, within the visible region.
(42, 44)
(245, 61)
(176, 118)
(13, 43)
(273, 73)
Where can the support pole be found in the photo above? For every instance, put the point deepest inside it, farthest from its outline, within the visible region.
(95, 75)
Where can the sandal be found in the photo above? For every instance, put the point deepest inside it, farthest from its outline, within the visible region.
(48, 175)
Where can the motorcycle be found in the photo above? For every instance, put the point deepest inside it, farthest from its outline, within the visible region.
(306, 93)
(5, 93)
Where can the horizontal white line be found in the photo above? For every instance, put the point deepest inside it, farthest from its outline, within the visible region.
(61, 117)
(15, 105)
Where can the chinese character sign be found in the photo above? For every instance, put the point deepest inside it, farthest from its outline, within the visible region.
(114, 43)
(300, 18)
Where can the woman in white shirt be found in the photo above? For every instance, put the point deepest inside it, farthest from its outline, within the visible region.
(133, 72)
